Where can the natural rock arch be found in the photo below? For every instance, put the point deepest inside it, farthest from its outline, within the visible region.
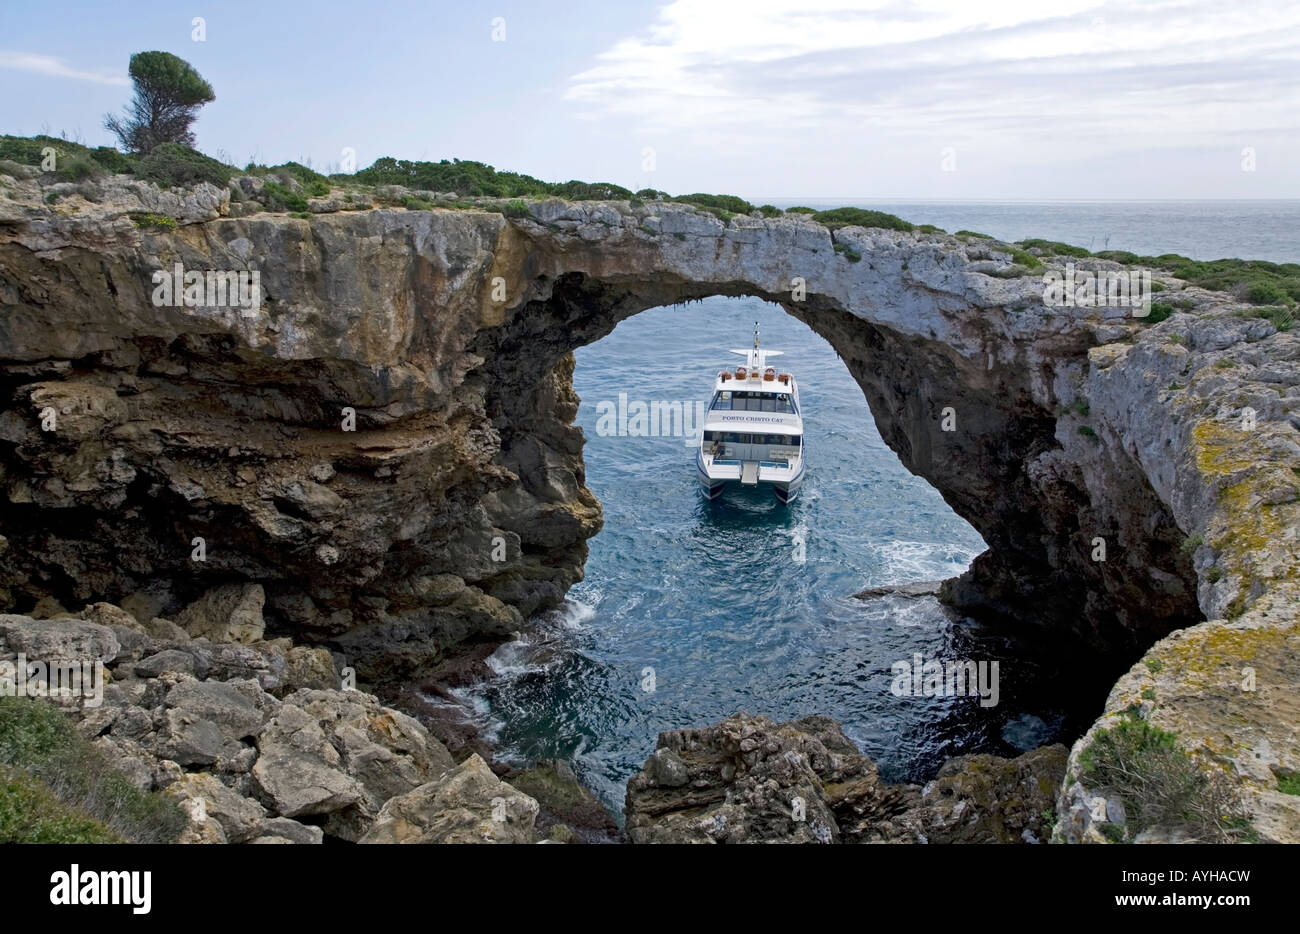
(204, 422)
(1175, 444)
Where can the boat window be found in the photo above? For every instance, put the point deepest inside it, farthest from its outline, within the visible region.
(722, 400)
(770, 404)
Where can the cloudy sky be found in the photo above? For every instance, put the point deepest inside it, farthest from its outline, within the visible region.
(944, 99)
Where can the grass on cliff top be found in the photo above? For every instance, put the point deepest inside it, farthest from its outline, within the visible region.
(1160, 785)
(49, 766)
(169, 165)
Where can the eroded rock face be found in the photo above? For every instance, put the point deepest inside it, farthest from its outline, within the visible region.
(152, 452)
(749, 780)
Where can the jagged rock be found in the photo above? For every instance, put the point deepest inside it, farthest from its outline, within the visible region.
(384, 752)
(166, 660)
(165, 630)
(988, 799)
(297, 768)
(566, 808)
(282, 828)
(240, 818)
(229, 613)
(58, 639)
(309, 668)
(749, 780)
(468, 804)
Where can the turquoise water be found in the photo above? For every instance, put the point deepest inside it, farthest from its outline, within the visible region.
(720, 600)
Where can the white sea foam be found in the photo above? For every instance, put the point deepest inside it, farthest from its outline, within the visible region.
(905, 561)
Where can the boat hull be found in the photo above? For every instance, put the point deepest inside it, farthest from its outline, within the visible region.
(785, 490)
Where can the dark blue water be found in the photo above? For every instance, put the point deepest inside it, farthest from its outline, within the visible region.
(723, 604)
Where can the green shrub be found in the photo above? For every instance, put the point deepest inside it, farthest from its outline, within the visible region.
(848, 253)
(800, 209)
(930, 229)
(1265, 293)
(1289, 784)
(586, 191)
(154, 221)
(728, 204)
(313, 183)
(116, 162)
(768, 210)
(1159, 312)
(417, 204)
(635, 202)
(1283, 318)
(652, 194)
(276, 197)
(30, 813)
(172, 165)
(77, 169)
(38, 739)
(1055, 248)
(1088, 432)
(971, 233)
(516, 208)
(860, 217)
(1160, 784)
(1190, 544)
(1023, 258)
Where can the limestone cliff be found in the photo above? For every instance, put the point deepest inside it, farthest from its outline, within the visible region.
(457, 507)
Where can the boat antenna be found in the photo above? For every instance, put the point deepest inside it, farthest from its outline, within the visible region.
(756, 335)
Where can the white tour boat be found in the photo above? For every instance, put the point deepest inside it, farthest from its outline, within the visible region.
(753, 432)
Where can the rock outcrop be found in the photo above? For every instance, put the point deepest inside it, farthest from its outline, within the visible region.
(253, 756)
(384, 444)
(749, 780)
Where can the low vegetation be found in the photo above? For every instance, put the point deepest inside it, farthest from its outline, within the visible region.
(50, 767)
(1161, 785)
(1274, 288)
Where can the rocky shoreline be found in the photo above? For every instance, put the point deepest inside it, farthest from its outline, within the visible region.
(259, 744)
(179, 460)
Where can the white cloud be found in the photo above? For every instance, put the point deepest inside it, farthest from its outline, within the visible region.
(52, 67)
(1097, 75)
